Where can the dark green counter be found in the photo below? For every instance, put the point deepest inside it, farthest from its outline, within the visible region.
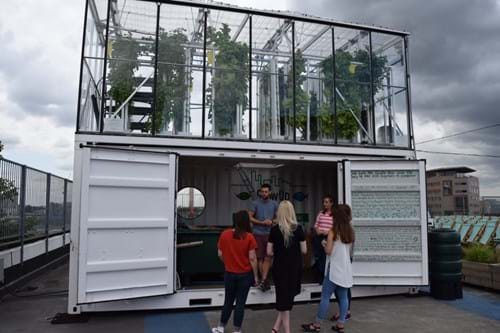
(199, 262)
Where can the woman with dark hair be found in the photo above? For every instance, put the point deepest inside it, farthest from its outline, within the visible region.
(336, 316)
(323, 224)
(338, 275)
(236, 249)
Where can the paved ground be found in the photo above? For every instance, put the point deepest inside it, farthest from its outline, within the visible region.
(479, 311)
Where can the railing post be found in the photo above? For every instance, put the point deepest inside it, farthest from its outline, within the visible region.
(47, 214)
(22, 215)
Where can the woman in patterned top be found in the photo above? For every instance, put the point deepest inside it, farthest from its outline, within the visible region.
(324, 223)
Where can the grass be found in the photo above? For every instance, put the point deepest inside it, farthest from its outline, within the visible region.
(481, 253)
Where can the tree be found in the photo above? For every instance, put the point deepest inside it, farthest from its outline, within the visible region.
(229, 80)
(8, 190)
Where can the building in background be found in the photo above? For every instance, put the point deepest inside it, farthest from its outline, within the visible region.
(451, 191)
(490, 205)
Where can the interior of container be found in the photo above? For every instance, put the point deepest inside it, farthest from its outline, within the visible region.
(210, 189)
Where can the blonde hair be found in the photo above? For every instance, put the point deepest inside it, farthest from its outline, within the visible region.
(286, 220)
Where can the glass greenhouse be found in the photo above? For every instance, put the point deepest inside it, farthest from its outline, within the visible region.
(202, 71)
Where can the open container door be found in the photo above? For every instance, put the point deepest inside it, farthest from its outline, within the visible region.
(127, 224)
(388, 200)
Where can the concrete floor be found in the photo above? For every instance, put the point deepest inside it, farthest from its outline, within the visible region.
(479, 311)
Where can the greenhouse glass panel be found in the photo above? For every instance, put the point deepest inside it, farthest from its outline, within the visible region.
(314, 83)
(92, 66)
(179, 80)
(130, 67)
(352, 86)
(391, 108)
(227, 79)
(272, 103)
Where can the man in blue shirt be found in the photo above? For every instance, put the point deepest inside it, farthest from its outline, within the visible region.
(262, 214)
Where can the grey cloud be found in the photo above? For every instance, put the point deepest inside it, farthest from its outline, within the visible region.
(454, 52)
(35, 83)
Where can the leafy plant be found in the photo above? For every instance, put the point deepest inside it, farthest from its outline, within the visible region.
(480, 253)
(301, 96)
(353, 78)
(171, 85)
(230, 86)
(125, 51)
(8, 190)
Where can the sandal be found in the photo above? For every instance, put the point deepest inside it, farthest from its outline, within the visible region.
(311, 327)
(336, 317)
(337, 328)
(274, 331)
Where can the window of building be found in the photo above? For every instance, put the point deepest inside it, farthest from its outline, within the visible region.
(447, 187)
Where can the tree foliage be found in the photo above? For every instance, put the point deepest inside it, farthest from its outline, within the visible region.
(8, 190)
(229, 80)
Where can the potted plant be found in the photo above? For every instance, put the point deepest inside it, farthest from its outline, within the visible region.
(481, 267)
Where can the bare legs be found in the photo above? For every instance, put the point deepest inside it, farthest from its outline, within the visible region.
(283, 318)
(266, 265)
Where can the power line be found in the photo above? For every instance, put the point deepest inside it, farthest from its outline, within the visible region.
(457, 154)
(459, 133)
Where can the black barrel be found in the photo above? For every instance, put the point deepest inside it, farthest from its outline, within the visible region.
(445, 264)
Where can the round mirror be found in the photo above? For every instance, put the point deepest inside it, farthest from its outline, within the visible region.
(190, 203)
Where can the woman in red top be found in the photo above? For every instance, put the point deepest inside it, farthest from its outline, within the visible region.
(236, 248)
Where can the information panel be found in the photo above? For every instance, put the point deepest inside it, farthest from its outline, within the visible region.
(386, 215)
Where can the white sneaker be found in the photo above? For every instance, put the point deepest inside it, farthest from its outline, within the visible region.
(218, 329)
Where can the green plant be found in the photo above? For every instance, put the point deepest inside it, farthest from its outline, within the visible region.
(229, 83)
(125, 51)
(8, 190)
(301, 96)
(480, 253)
(30, 224)
(352, 81)
(171, 84)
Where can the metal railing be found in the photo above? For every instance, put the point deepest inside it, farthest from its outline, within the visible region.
(34, 205)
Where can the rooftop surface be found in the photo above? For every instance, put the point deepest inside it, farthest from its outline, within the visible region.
(460, 169)
(478, 311)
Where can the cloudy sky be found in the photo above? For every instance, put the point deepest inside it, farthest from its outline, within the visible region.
(455, 47)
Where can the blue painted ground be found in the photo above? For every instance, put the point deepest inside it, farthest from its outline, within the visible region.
(182, 322)
(482, 305)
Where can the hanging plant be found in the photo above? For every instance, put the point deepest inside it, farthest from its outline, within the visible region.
(229, 81)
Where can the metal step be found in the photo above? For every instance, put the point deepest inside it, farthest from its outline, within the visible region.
(140, 110)
(138, 81)
(141, 96)
(134, 126)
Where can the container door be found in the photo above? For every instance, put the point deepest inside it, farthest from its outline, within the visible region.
(127, 224)
(388, 200)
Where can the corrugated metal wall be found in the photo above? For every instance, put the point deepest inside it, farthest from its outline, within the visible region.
(303, 183)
